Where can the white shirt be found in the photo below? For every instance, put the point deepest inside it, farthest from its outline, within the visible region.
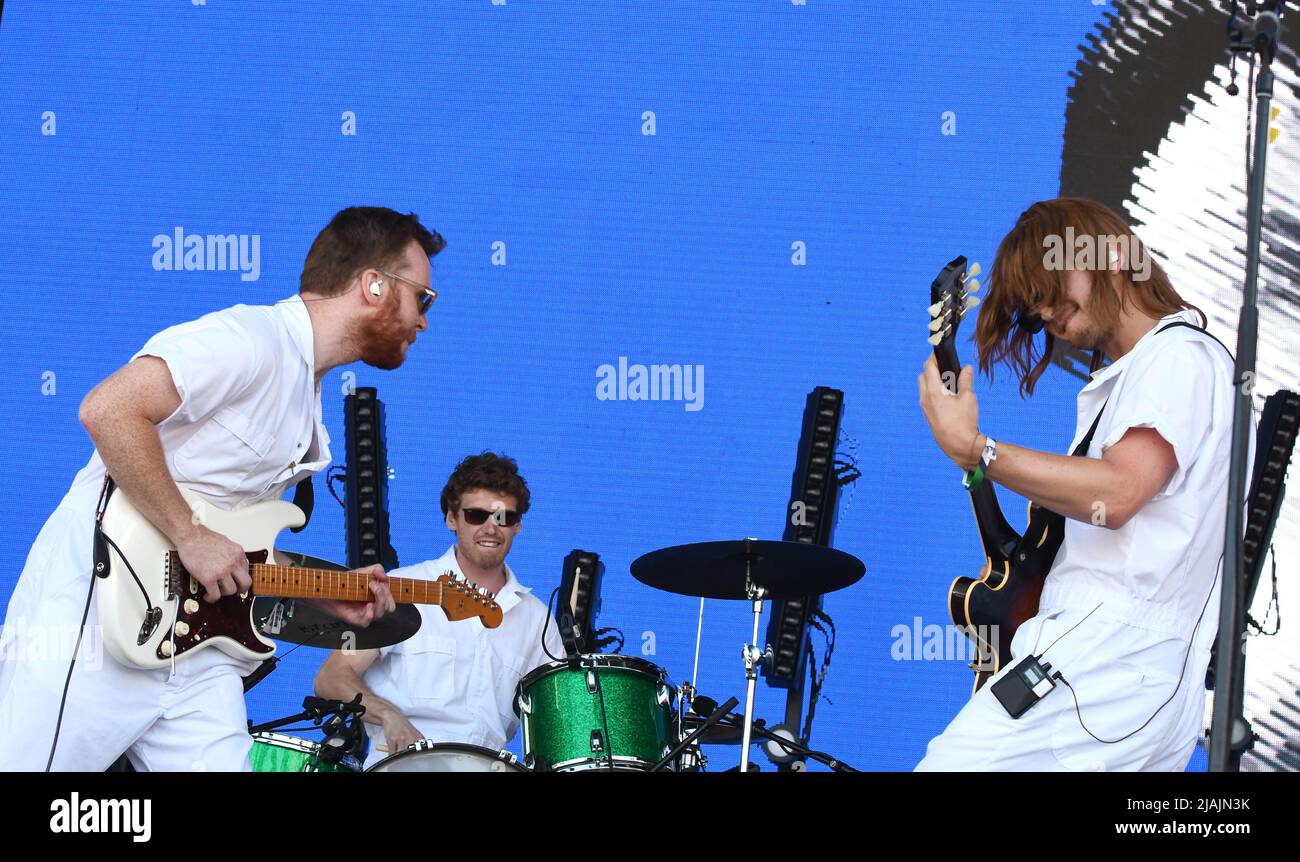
(1120, 606)
(1158, 570)
(455, 681)
(249, 421)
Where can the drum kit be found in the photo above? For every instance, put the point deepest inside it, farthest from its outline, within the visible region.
(587, 711)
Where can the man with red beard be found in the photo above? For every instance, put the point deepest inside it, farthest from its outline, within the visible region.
(455, 681)
(229, 407)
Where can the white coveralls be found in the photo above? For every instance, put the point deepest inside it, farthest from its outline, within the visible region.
(455, 681)
(249, 424)
(1151, 587)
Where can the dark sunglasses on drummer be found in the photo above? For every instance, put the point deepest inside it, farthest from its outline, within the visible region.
(503, 517)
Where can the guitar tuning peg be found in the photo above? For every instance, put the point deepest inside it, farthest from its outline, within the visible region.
(936, 325)
(936, 308)
(971, 302)
(935, 339)
(974, 270)
(973, 286)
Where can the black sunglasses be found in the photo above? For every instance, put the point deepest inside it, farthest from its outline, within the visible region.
(1031, 322)
(478, 517)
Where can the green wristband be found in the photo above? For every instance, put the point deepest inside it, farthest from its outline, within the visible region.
(971, 481)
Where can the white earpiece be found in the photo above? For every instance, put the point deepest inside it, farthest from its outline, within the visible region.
(374, 287)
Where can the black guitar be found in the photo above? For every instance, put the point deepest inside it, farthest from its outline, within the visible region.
(991, 607)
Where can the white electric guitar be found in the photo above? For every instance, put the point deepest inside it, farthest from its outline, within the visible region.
(152, 611)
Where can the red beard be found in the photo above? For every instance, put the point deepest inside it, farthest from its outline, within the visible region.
(381, 338)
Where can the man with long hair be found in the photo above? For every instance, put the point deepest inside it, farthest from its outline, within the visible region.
(1127, 614)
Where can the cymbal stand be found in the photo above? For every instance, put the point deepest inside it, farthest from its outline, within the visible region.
(752, 656)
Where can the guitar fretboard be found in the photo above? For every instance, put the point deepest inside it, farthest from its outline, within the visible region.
(292, 582)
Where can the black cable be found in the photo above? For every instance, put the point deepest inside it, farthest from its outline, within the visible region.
(547, 625)
(104, 493)
(1072, 628)
(68, 680)
(602, 642)
(331, 477)
(148, 606)
(1182, 671)
(814, 694)
(1272, 603)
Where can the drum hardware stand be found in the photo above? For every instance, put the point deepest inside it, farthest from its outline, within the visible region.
(340, 722)
(752, 655)
(317, 710)
(799, 750)
(718, 714)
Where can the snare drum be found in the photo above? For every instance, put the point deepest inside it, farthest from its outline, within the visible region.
(277, 752)
(566, 730)
(427, 756)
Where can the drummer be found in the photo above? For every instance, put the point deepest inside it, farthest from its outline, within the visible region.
(455, 681)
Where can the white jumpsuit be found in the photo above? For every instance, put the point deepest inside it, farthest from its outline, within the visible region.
(247, 427)
(1137, 663)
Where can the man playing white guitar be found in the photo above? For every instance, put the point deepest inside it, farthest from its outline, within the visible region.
(456, 683)
(1129, 609)
(228, 406)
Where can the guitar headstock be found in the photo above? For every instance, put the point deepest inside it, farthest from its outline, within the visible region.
(951, 296)
(462, 600)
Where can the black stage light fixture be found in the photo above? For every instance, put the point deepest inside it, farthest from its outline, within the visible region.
(580, 584)
(366, 482)
(809, 518)
(1275, 440)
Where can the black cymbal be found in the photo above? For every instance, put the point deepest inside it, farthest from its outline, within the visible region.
(300, 622)
(717, 570)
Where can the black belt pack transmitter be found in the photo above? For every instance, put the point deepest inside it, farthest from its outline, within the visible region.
(1023, 686)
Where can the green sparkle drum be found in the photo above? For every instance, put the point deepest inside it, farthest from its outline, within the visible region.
(566, 730)
(278, 752)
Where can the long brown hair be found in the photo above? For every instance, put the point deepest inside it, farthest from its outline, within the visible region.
(1021, 280)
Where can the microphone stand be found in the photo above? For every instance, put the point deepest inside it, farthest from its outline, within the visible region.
(1230, 733)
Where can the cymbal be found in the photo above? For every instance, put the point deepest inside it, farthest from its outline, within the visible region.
(299, 622)
(717, 570)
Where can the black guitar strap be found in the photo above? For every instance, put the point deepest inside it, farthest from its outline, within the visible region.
(1082, 448)
(99, 554)
(304, 497)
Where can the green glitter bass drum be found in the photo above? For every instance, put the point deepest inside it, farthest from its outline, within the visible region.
(565, 729)
(278, 752)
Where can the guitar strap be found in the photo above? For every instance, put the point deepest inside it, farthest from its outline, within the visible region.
(100, 558)
(304, 497)
(1082, 448)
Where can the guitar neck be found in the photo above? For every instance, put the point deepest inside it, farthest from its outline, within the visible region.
(996, 533)
(291, 582)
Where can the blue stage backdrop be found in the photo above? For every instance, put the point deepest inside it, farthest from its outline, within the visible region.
(758, 190)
